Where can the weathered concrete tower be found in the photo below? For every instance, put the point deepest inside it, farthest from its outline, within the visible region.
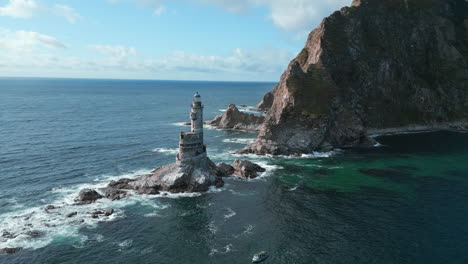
(191, 145)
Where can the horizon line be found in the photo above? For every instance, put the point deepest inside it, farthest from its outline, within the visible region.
(130, 79)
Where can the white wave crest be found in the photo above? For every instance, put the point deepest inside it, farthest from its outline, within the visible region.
(166, 150)
(230, 213)
(245, 141)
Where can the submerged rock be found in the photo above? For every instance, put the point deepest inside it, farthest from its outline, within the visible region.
(8, 235)
(9, 250)
(109, 212)
(246, 169)
(235, 119)
(50, 207)
(33, 234)
(87, 196)
(71, 214)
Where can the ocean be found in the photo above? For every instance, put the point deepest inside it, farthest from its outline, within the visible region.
(403, 201)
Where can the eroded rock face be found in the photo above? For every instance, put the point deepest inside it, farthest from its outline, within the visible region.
(374, 65)
(246, 169)
(235, 119)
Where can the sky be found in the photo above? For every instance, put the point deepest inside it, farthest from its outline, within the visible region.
(218, 40)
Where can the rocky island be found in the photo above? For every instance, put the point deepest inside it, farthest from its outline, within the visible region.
(375, 67)
(193, 171)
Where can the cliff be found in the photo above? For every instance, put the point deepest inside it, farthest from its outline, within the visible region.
(377, 65)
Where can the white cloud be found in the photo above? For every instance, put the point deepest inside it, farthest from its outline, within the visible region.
(117, 52)
(23, 42)
(30, 8)
(26, 52)
(289, 15)
(20, 9)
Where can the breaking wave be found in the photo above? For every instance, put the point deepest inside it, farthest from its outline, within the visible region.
(36, 227)
(245, 141)
(165, 150)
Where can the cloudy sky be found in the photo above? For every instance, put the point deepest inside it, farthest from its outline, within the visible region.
(235, 40)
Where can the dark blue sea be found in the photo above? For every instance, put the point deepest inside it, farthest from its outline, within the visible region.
(405, 201)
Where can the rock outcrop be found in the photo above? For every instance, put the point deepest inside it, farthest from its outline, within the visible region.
(235, 119)
(378, 64)
(87, 196)
(246, 169)
(194, 175)
(224, 169)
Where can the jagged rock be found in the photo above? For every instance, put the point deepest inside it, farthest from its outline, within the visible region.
(87, 196)
(9, 250)
(373, 66)
(266, 102)
(224, 170)
(193, 175)
(246, 169)
(121, 184)
(113, 194)
(109, 212)
(235, 119)
(71, 214)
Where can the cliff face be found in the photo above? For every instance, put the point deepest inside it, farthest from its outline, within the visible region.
(377, 64)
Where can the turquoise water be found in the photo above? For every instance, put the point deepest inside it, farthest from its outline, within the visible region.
(402, 202)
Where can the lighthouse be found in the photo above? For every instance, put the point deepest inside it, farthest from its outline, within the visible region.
(191, 145)
(196, 115)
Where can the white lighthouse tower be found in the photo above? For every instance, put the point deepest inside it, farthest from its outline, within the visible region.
(191, 143)
(196, 115)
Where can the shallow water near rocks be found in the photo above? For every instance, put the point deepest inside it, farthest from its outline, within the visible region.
(402, 202)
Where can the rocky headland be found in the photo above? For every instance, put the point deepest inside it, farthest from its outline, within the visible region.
(377, 66)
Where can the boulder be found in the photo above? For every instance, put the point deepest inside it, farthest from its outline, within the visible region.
(235, 119)
(9, 250)
(224, 170)
(109, 212)
(121, 184)
(71, 214)
(113, 194)
(50, 207)
(246, 169)
(87, 196)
